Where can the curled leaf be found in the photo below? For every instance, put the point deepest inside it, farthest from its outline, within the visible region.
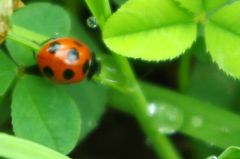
(6, 10)
(3, 30)
(17, 4)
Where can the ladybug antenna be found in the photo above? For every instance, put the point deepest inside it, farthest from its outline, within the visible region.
(47, 40)
(41, 44)
(94, 67)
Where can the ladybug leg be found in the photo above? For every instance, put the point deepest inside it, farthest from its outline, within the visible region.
(94, 67)
(33, 69)
(34, 55)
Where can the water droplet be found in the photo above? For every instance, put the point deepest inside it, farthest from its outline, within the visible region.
(56, 34)
(212, 157)
(197, 121)
(152, 109)
(224, 130)
(211, 143)
(168, 118)
(92, 22)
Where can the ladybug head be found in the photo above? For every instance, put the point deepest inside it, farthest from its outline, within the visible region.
(94, 67)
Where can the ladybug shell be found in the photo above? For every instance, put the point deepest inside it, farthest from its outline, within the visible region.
(64, 60)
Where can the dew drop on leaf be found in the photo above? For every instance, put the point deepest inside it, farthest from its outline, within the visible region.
(92, 22)
(225, 130)
(197, 121)
(168, 119)
(211, 144)
(56, 34)
(212, 157)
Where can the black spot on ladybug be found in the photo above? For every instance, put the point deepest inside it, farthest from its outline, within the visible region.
(68, 74)
(86, 66)
(78, 43)
(73, 54)
(54, 47)
(48, 72)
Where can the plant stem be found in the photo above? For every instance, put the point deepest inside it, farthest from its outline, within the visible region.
(23, 41)
(25, 33)
(190, 109)
(161, 143)
(183, 73)
(22, 35)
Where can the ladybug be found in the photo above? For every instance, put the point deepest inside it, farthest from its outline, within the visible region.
(66, 60)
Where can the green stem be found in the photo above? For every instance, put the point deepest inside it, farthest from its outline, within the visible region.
(198, 118)
(161, 143)
(183, 73)
(23, 41)
(24, 37)
(25, 33)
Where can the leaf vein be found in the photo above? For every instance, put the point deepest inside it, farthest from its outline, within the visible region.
(43, 122)
(148, 29)
(225, 28)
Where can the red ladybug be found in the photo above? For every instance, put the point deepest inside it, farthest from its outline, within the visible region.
(66, 60)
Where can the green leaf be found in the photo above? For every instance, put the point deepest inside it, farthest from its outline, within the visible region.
(199, 120)
(150, 30)
(193, 6)
(8, 72)
(194, 118)
(22, 55)
(48, 113)
(206, 81)
(232, 152)
(197, 6)
(204, 85)
(43, 18)
(91, 99)
(223, 38)
(17, 148)
(214, 4)
(119, 2)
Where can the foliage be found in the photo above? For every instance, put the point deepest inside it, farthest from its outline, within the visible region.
(143, 32)
(61, 116)
(43, 112)
(167, 26)
(231, 152)
(54, 117)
